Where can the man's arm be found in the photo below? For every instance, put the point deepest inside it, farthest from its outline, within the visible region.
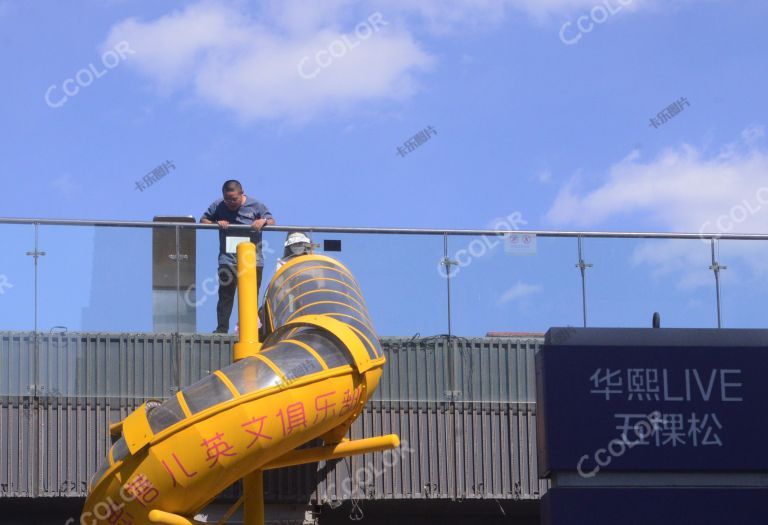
(210, 217)
(260, 223)
(265, 219)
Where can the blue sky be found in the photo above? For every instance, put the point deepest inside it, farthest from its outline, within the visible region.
(525, 122)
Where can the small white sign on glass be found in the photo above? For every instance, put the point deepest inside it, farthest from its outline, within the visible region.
(232, 243)
(520, 244)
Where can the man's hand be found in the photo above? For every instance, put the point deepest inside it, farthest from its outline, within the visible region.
(258, 224)
(223, 224)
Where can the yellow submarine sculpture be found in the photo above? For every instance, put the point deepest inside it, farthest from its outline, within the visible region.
(319, 364)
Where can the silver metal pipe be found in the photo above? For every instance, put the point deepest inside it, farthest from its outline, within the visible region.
(717, 268)
(392, 231)
(36, 254)
(448, 263)
(582, 265)
(178, 280)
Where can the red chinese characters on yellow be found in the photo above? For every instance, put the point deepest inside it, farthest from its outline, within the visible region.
(142, 489)
(351, 400)
(217, 447)
(180, 466)
(255, 432)
(322, 405)
(293, 418)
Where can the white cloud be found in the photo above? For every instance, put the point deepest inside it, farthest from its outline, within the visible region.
(683, 189)
(245, 58)
(753, 134)
(541, 8)
(686, 261)
(251, 67)
(519, 291)
(444, 16)
(298, 16)
(544, 176)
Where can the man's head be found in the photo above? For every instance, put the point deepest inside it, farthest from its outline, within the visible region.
(232, 191)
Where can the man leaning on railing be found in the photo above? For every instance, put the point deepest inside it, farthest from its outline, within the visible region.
(234, 208)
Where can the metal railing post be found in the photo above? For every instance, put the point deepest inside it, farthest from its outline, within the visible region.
(582, 266)
(716, 269)
(35, 255)
(447, 262)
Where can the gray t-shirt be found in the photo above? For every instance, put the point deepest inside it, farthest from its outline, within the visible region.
(248, 213)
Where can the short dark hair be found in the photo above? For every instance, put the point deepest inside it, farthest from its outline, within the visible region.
(232, 185)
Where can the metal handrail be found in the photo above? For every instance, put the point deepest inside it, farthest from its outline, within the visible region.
(392, 231)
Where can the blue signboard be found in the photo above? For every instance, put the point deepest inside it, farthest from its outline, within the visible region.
(652, 400)
(653, 506)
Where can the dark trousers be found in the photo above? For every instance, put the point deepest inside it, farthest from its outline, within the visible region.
(227, 289)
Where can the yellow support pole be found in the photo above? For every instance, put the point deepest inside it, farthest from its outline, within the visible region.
(253, 494)
(335, 451)
(248, 345)
(168, 518)
(247, 302)
(231, 511)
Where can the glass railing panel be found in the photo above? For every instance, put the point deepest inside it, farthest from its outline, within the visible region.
(101, 279)
(17, 309)
(402, 289)
(202, 297)
(630, 279)
(95, 279)
(511, 288)
(513, 284)
(743, 283)
(397, 274)
(404, 295)
(17, 277)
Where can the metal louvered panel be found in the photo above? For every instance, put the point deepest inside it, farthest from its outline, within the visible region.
(446, 453)
(199, 355)
(464, 412)
(17, 445)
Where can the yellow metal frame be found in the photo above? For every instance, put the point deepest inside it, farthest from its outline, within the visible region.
(364, 372)
(230, 386)
(267, 361)
(362, 315)
(169, 518)
(296, 298)
(247, 302)
(136, 429)
(249, 344)
(314, 279)
(314, 257)
(334, 265)
(362, 361)
(192, 419)
(335, 451)
(309, 349)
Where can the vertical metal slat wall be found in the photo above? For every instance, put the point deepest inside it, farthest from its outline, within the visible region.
(464, 410)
